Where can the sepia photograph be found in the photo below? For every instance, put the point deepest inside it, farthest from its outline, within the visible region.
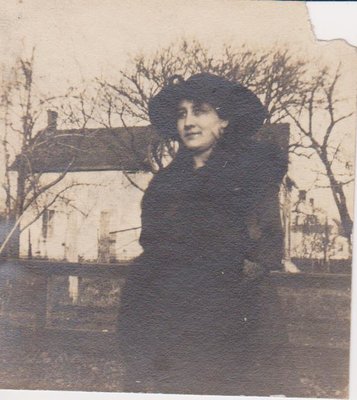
(176, 199)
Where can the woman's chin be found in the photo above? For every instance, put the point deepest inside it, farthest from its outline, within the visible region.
(194, 148)
(197, 147)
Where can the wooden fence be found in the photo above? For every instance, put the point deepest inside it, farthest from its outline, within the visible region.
(85, 297)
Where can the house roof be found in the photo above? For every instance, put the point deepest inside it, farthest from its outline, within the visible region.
(90, 150)
(109, 148)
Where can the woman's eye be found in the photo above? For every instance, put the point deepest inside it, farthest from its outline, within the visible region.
(198, 110)
(181, 114)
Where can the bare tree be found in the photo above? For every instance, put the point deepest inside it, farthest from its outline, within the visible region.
(22, 108)
(275, 76)
(320, 102)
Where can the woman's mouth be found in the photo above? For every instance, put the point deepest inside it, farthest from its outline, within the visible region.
(192, 134)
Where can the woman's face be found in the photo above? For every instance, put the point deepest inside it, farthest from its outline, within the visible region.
(198, 125)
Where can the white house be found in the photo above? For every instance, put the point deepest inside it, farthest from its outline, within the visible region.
(96, 216)
(98, 222)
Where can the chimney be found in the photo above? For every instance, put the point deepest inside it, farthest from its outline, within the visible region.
(52, 120)
(302, 195)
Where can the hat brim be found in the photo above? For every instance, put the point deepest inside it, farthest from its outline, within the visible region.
(233, 102)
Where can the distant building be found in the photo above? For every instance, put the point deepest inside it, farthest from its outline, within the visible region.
(314, 234)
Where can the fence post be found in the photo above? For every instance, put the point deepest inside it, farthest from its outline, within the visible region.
(42, 308)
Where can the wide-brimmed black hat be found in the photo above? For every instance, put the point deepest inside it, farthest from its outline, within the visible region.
(232, 101)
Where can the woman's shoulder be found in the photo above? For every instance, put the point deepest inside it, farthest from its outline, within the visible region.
(166, 173)
(257, 162)
(165, 178)
(262, 152)
(269, 162)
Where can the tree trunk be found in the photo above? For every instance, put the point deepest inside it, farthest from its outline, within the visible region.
(340, 200)
(13, 247)
(12, 236)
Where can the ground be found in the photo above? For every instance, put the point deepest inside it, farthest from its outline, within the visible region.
(48, 342)
(89, 362)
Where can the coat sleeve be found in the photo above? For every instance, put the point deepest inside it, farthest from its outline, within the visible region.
(155, 225)
(263, 216)
(150, 217)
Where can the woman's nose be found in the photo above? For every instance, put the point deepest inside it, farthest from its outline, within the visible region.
(189, 120)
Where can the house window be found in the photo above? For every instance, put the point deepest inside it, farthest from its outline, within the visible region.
(47, 223)
(106, 240)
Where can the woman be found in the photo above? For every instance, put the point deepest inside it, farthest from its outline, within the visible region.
(196, 315)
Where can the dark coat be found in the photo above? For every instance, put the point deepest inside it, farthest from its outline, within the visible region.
(188, 296)
(225, 211)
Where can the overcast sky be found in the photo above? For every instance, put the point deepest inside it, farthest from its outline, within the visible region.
(84, 38)
(87, 38)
